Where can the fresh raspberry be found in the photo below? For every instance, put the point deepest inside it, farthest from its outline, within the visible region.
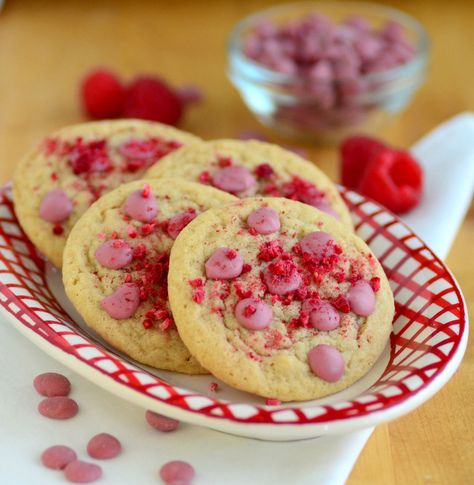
(102, 94)
(394, 179)
(152, 99)
(356, 152)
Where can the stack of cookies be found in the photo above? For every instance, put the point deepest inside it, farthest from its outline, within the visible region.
(229, 257)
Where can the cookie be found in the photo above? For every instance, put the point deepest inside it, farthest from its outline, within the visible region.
(254, 168)
(116, 264)
(279, 299)
(73, 167)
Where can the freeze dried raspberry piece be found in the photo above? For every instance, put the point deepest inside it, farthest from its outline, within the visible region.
(86, 157)
(56, 206)
(395, 179)
(282, 277)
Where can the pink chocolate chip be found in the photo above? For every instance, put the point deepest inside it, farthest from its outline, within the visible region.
(114, 254)
(282, 277)
(177, 473)
(141, 205)
(160, 422)
(324, 206)
(51, 384)
(178, 222)
(82, 472)
(56, 206)
(123, 302)
(322, 315)
(233, 179)
(57, 457)
(326, 362)
(140, 149)
(264, 220)
(58, 407)
(224, 264)
(253, 314)
(104, 446)
(361, 298)
(316, 244)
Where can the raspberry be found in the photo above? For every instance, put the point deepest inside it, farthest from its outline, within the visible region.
(102, 94)
(394, 179)
(149, 98)
(356, 152)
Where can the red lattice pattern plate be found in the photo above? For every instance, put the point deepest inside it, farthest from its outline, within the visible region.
(427, 344)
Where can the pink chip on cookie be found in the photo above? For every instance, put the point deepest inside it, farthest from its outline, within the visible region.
(224, 264)
(282, 277)
(324, 206)
(56, 206)
(361, 298)
(253, 314)
(316, 243)
(233, 179)
(114, 254)
(264, 220)
(326, 362)
(322, 315)
(123, 302)
(138, 149)
(141, 205)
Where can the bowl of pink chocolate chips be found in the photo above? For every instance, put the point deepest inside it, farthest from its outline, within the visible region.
(321, 71)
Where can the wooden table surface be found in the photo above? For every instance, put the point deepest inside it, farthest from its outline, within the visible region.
(45, 47)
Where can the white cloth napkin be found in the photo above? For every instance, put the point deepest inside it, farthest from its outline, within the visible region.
(447, 155)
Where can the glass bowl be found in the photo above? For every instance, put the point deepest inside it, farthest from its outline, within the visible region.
(357, 104)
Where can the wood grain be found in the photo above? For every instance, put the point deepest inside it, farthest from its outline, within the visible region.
(45, 48)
